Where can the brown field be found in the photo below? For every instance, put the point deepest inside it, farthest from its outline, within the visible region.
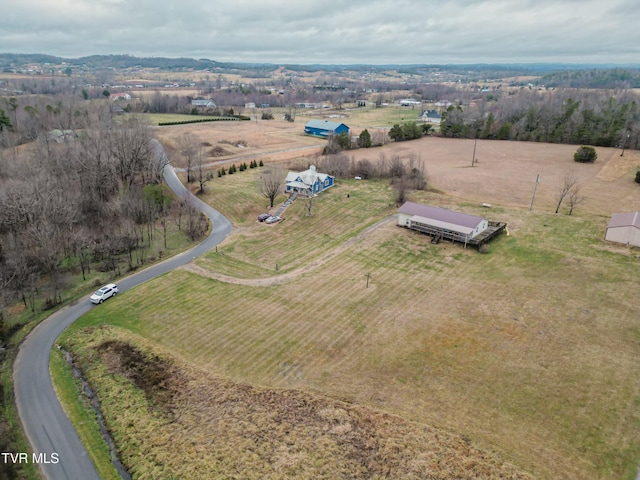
(273, 140)
(529, 352)
(504, 175)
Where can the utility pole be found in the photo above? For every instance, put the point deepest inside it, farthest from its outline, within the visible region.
(473, 160)
(534, 191)
(624, 145)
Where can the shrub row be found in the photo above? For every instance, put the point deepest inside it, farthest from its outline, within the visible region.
(220, 119)
(243, 166)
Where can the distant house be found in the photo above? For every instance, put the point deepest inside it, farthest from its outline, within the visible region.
(250, 105)
(440, 222)
(306, 105)
(61, 136)
(443, 104)
(624, 228)
(207, 103)
(117, 110)
(409, 102)
(310, 182)
(119, 96)
(431, 116)
(324, 128)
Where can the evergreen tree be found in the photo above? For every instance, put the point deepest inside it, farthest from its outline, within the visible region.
(4, 120)
(364, 140)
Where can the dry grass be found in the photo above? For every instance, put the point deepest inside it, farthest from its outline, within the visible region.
(530, 350)
(508, 349)
(183, 422)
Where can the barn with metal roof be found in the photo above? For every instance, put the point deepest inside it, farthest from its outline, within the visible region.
(442, 223)
(324, 128)
(624, 228)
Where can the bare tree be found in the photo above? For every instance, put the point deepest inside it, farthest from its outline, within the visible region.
(336, 165)
(202, 176)
(309, 205)
(188, 146)
(574, 197)
(396, 168)
(270, 182)
(196, 223)
(131, 146)
(568, 183)
(417, 173)
(401, 190)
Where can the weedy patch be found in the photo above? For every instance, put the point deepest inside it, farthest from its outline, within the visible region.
(149, 373)
(222, 429)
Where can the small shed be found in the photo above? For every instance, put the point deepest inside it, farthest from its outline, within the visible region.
(440, 222)
(624, 228)
(324, 128)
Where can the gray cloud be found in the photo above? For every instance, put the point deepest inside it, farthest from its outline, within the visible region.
(335, 31)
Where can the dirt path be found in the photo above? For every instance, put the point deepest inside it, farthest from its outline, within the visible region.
(294, 274)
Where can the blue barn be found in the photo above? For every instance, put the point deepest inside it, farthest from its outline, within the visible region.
(324, 128)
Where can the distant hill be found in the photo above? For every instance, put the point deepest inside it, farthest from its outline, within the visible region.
(553, 74)
(594, 78)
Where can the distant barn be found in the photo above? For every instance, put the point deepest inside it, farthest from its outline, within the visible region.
(443, 224)
(324, 128)
(624, 228)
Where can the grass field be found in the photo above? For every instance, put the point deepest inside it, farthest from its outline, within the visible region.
(180, 421)
(529, 351)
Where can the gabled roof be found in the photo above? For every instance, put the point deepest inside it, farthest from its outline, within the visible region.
(201, 103)
(431, 114)
(440, 215)
(323, 124)
(631, 219)
(308, 177)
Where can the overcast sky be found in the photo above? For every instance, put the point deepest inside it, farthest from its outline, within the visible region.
(329, 31)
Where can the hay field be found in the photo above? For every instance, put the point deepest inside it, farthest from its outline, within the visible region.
(529, 351)
(271, 140)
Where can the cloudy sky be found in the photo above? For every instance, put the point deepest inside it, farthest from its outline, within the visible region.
(329, 31)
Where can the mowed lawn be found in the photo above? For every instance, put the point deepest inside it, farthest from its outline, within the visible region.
(255, 248)
(530, 351)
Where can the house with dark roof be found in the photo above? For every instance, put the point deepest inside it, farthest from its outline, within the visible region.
(324, 128)
(431, 116)
(441, 223)
(624, 228)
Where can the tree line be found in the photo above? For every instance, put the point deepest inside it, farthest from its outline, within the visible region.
(88, 202)
(580, 117)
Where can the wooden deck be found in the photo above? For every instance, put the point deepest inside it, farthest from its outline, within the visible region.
(493, 230)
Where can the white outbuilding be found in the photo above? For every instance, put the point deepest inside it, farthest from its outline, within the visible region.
(441, 223)
(624, 228)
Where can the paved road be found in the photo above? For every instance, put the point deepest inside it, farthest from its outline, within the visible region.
(47, 427)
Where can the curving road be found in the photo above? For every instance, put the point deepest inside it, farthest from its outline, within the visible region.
(48, 429)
